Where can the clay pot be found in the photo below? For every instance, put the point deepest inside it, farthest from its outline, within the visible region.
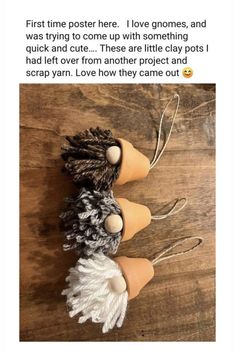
(137, 273)
(134, 164)
(135, 217)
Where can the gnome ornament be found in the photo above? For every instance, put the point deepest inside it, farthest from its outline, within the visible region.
(99, 288)
(95, 221)
(94, 158)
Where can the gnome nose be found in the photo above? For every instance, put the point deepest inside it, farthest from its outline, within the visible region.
(118, 284)
(113, 223)
(113, 154)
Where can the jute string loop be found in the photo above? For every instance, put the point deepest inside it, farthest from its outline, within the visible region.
(181, 241)
(158, 152)
(174, 209)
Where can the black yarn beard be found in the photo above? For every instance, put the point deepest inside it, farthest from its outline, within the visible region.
(86, 161)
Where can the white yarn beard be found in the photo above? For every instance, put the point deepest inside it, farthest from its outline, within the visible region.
(89, 292)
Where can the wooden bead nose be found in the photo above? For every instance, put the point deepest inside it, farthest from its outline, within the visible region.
(113, 154)
(118, 284)
(113, 223)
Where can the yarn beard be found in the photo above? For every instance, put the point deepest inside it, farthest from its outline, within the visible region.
(84, 222)
(89, 292)
(86, 161)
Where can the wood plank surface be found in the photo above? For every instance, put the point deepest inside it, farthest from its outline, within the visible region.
(179, 303)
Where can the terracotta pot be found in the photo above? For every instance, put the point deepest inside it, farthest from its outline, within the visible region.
(135, 217)
(137, 273)
(134, 164)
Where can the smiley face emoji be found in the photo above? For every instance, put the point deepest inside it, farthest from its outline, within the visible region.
(187, 72)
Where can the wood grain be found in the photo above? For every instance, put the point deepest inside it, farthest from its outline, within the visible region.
(179, 303)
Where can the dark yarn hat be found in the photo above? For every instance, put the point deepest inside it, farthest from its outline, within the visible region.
(85, 158)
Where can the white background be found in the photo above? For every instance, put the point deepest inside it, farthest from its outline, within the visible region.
(200, 62)
(214, 68)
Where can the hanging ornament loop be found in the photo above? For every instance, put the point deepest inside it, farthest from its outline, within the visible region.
(174, 209)
(162, 256)
(158, 152)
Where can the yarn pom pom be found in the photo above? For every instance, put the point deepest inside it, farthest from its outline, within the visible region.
(90, 294)
(86, 161)
(84, 222)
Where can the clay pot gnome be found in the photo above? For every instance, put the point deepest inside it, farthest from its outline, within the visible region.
(96, 221)
(96, 159)
(99, 287)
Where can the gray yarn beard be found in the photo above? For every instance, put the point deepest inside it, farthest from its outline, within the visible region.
(84, 222)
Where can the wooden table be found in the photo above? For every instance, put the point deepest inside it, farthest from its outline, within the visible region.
(179, 303)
